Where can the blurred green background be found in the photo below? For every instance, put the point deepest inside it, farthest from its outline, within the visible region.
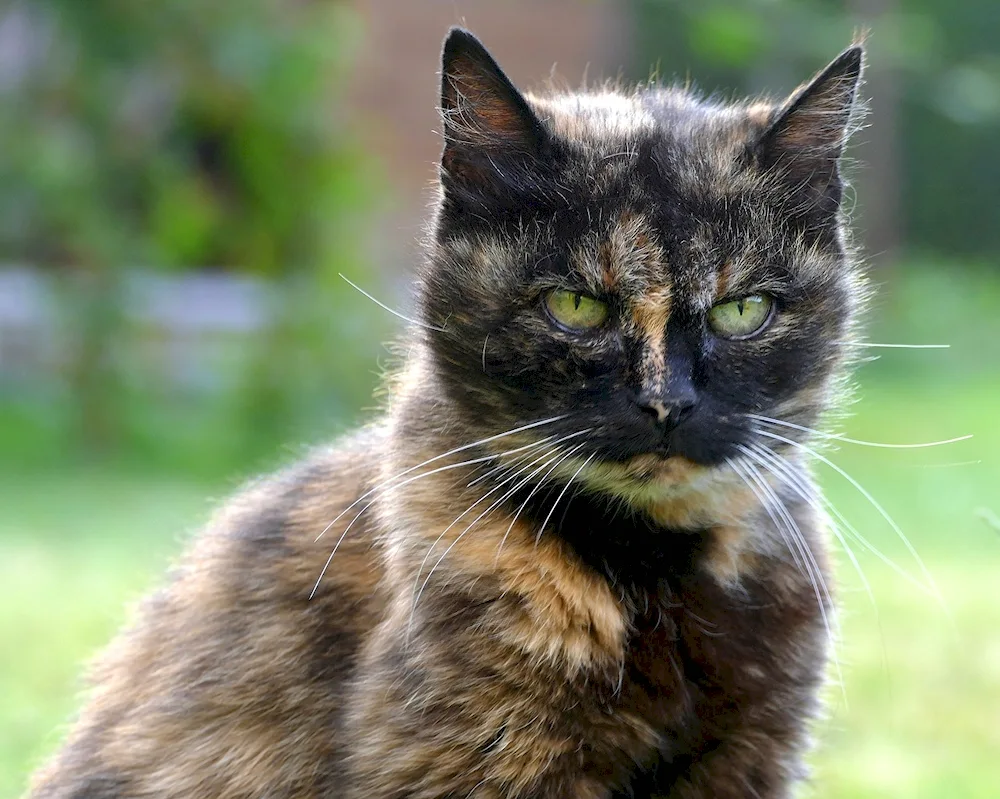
(181, 184)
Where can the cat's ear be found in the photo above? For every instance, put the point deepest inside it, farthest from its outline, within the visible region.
(807, 134)
(486, 121)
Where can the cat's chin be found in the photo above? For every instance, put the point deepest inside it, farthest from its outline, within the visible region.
(668, 470)
(674, 490)
(651, 476)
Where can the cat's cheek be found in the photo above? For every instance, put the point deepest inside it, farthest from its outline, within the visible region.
(593, 365)
(598, 355)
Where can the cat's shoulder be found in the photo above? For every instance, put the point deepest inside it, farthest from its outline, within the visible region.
(287, 524)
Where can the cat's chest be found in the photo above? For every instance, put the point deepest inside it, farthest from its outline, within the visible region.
(699, 656)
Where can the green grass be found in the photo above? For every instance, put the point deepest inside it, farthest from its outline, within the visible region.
(922, 676)
(922, 682)
(75, 549)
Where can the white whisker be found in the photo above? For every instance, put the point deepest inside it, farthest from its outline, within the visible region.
(454, 451)
(846, 440)
(494, 505)
(496, 488)
(385, 307)
(931, 586)
(387, 483)
(513, 521)
(550, 454)
(841, 528)
(767, 508)
(561, 493)
(814, 574)
(783, 470)
(896, 346)
(407, 481)
(504, 466)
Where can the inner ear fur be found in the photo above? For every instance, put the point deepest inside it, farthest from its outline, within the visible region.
(485, 118)
(806, 138)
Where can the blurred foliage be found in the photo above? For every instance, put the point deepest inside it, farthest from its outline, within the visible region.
(950, 119)
(945, 68)
(182, 134)
(179, 133)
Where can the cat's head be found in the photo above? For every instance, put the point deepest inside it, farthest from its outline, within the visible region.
(649, 267)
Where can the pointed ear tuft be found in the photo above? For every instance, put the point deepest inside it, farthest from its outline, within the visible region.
(483, 114)
(809, 131)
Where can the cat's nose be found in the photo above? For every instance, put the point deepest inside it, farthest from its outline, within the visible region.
(667, 409)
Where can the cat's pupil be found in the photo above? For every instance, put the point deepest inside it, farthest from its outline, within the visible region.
(739, 306)
(576, 300)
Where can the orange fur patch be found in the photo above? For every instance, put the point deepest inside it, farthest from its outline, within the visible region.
(568, 615)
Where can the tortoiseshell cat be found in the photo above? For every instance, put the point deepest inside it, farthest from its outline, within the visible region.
(570, 562)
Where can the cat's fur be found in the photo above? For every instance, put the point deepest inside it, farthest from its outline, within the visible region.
(624, 617)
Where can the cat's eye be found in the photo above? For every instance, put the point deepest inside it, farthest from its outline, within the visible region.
(741, 318)
(575, 310)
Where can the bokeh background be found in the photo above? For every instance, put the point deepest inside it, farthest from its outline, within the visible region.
(182, 182)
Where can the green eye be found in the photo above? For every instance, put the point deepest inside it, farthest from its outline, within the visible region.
(741, 318)
(575, 310)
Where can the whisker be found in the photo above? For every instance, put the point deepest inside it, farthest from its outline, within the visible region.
(846, 440)
(385, 307)
(841, 527)
(524, 504)
(896, 346)
(814, 573)
(828, 507)
(454, 451)
(767, 508)
(505, 466)
(494, 505)
(386, 484)
(847, 527)
(550, 453)
(496, 488)
(513, 521)
(783, 470)
(931, 586)
(793, 529)
(561, 493)
(407, 481)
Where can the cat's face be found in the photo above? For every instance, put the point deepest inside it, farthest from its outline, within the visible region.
(648, 266)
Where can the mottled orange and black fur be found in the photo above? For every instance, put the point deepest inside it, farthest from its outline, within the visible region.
(557, 571)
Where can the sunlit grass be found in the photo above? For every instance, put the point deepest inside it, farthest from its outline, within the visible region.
(75, 549)
(923, 677)
(922, 712)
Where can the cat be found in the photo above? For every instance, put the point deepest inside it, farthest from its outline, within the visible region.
(574, 559)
